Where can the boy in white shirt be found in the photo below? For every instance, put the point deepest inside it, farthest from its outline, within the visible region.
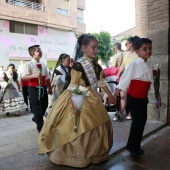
(136, 80)
(33, 71)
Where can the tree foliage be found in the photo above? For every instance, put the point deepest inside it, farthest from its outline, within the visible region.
(105, 47)
(125, 38)
(51, 64)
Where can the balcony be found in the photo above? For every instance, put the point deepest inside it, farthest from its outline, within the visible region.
(81, 4)
(27, 4)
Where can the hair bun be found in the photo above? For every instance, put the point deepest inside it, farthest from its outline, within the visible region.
(80, 39)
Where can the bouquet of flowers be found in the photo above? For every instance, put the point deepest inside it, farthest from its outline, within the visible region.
(78, 95)
(39, 67)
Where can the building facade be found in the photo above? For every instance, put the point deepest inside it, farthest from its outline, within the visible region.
(53, 24)
(152, 21)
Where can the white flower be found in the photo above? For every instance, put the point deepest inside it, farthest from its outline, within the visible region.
(88, 93)
(73, 88)
(80, 90)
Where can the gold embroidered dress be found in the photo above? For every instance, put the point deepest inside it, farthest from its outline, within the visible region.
(94, 137)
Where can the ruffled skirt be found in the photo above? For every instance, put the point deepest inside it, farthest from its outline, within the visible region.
(91, 147)
(12, 105)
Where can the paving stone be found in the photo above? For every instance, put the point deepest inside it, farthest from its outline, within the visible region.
(19, 148)
(11, 149)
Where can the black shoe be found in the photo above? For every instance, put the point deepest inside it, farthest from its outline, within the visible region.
(26, 109)
(7, 113)
(119, 117)
(134, 154)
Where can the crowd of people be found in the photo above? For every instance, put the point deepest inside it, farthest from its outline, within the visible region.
(78, 133)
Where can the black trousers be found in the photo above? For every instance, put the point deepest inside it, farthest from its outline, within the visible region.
(25, 93)
(38, 106)
(138, 110)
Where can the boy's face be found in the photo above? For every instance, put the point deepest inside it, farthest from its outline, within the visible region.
(145, 51)
(37, 53)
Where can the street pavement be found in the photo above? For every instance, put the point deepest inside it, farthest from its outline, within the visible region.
(18, 147)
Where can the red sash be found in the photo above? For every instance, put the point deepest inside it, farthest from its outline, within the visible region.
(24, 83)
(34, 82)
(139, 88)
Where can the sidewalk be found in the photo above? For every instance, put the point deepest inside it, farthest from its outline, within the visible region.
(18, 147)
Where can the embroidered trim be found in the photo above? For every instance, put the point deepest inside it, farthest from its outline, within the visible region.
(88, 71)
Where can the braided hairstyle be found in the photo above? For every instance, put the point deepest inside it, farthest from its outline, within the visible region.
(59, 62)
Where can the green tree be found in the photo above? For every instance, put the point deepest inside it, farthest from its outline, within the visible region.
(105, 47)
(51, 64)
(125, 38)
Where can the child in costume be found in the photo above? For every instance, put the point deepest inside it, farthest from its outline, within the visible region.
(60, 78)
(11, 100)
(136, 80)
(37, 74)
(93, 139)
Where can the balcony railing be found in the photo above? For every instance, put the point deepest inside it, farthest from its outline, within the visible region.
(27, 4)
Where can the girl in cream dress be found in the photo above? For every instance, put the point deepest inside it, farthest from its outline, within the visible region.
(93, 139)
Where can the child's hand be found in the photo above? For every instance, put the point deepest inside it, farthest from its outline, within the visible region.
(37, 75)
(105, 98)
(50, 91)
(112, 99)
(75, 108)
(158, 104)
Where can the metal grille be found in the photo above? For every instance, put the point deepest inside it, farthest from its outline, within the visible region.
(27, 4)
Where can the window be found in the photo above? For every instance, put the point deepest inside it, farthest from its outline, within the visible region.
(23, 28)
(62, 11)
(80, 20)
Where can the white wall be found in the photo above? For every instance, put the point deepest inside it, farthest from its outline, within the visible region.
(14, 46)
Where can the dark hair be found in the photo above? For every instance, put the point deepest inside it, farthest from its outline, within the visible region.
(11, 65)
(133, 39)
(5, 78)
(117, 45)
(84, 39)
(31, 49)
(59, 62)
(138, 43)
(63, 56)
(15, 75)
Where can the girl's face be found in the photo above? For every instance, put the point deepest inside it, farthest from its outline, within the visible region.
(11, 69)
(128, 45)
(91, 49)
(66, 61)
(145, 51)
